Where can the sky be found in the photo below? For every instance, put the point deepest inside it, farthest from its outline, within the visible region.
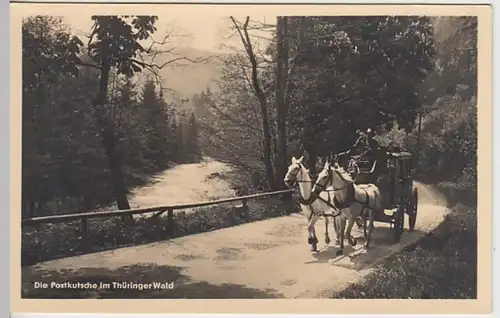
(210, 33)
(209, 24)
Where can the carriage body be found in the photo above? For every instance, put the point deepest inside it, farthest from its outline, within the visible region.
(393, 175)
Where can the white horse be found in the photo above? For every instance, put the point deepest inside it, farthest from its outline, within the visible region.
(313, 207)
(352, 200)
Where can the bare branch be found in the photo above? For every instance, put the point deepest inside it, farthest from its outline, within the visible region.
(245, 39)
(161, 43)
(234, 120)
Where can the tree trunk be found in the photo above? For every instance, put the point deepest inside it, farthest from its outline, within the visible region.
(311, 160)
(116, 173)
(419, 133)
(266, 145)
(266, 142)
(109, 143)
(281, 107)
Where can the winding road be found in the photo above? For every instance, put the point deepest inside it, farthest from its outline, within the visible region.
(264, 259)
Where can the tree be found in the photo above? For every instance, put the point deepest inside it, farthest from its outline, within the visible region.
(358, 72)
(155, 122)
(47, 68)
(331, 76)
(242, 30)
(114, 43)
(65, 127)
(179, 146)
(283, 88)
(231, 125)
(448, 150)
(456, 58)
(191, 140)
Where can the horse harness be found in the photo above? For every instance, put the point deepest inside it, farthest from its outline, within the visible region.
(350, 197)
(308, 202)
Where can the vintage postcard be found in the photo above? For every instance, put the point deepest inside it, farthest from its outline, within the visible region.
(194, 153)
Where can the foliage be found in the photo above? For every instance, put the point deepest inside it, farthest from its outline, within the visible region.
(191, 137)
(115, 41)
(364, 73)
(230, 123)
(442, 266)
(358, 72)
(450, 138)
(342, 74)
(64, 166)
(447, 149)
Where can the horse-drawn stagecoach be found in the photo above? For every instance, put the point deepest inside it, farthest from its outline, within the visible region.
(360, 189)
(392, 173)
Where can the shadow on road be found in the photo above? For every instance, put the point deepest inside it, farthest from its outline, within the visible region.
(141, 273)
(382, 244)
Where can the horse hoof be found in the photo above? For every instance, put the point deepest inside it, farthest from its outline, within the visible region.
(314, 248)
(327, 240)
(354, 242)
(339, 252)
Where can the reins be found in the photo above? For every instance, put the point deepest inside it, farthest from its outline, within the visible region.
(309, 201)
(350, 196)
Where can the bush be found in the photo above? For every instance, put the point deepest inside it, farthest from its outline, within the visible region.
(449, 141)
(444, 263)
(442, 266)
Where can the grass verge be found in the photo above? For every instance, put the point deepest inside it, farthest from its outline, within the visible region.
(442, 266)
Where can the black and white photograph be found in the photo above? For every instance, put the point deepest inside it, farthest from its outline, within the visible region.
(197, 153)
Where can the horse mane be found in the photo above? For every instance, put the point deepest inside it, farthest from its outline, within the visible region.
(304, 167)
(305, 170)
(344, 174)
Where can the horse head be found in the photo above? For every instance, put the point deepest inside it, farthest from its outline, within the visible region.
(324, 179)
(291, 177)
(331, 175)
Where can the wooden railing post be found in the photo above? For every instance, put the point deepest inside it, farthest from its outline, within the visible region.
(84, 242)
(244, 208)
(170, 221)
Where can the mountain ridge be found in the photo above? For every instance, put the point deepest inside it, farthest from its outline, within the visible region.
(190, 76)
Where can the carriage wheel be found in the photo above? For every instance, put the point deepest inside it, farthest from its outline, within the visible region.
(399, 221)
(413, 209)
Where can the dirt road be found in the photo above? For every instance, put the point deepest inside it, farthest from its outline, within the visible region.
(265, 259)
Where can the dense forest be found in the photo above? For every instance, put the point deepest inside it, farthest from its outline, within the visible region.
(96, 121)
(94, 125)
(412, 79)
